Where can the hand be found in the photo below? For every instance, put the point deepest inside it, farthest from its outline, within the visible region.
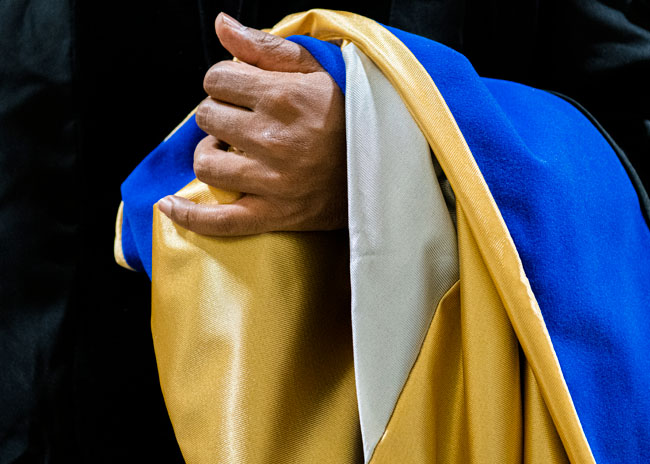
(286, 114)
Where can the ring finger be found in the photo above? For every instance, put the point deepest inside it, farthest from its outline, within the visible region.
(229, 170)
(228, 123)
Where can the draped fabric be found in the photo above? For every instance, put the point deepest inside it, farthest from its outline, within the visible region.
(503, 322)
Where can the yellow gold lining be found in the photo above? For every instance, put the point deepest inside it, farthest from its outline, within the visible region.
(117, 244)
(434, 118)
(254, 346)
(233, 318)
(470, 395)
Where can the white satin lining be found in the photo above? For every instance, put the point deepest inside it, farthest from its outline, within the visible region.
(403, 251)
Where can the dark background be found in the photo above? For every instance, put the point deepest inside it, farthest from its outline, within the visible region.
(88, 88)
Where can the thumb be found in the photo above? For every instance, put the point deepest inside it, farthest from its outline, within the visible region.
(263, 50)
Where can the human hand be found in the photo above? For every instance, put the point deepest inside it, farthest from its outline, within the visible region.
(286, 114)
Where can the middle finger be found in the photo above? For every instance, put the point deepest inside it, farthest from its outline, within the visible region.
(236, 83)
(233, 125)
(230, 171)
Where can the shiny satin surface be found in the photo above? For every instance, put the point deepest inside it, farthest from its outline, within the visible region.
(253, 342)
(118, 253)
(471, 397)
(403, 253)
(494, 242)
(253, 339)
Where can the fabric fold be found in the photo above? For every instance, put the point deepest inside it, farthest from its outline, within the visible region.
(535, 355)
(403, 254)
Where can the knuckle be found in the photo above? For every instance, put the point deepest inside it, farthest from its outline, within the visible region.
(289, 100)
(203, 114)
(210, 79)
(202, 166)
(273, 139)
(267, 40)
(216, 75)
(308, 92)
(193, 217)
(288, 96)
(269, 100)
(282, 98)
(179, 213)
(204, 160)
(237, 171)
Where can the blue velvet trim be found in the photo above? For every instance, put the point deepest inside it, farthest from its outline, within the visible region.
(168, 168)
(569, 206)
(328, 55)
(163, 172)
(579, 230)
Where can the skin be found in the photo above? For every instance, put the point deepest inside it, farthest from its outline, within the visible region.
(286, 117)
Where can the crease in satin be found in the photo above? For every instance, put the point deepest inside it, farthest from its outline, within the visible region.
(252, 376)
(403, 251)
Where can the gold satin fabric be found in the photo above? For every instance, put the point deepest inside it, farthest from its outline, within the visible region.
(253, 342)
(473, 198)
(253, 339)
(471, 396)
(118, 253)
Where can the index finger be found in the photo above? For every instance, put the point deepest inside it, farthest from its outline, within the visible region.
(236, 83)
(246, 216)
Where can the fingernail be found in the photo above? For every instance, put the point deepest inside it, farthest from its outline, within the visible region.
(231, 22)
(165, 205)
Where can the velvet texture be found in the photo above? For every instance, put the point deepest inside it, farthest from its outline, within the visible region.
(145, 186)
(174, 157)
(579, 230)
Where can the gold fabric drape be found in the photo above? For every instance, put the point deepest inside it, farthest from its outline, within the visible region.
(253, 339)
(471, 396)
(254, 345)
